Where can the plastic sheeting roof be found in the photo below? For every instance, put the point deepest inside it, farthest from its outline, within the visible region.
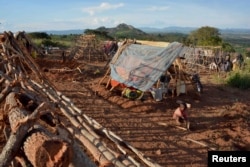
(140, 66)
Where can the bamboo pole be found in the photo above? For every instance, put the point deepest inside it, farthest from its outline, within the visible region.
(92, 143)
(116, 139)
(202, 144)
(81, 127)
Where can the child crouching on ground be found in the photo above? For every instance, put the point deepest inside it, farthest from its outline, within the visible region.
(180, 115)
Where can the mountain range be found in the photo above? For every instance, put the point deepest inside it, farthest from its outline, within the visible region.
(127, 30)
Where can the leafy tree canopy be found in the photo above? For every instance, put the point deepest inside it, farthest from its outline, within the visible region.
(48, 42)
(39, 35)
(100, 34)
(205, 36)
(247, 53)
(227, 47)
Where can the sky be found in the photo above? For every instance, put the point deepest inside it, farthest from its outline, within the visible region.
(38, 15)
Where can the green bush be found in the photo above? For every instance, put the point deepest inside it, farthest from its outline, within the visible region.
(247, 53)
(48, 42)
(63, 41)
(239, 80)
(39, 35)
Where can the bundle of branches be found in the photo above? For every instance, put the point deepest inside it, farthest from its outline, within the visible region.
(45, 128)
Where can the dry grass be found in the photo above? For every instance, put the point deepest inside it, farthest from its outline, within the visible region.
(153, 43)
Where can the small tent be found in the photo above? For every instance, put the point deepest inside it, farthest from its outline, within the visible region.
(140, 66)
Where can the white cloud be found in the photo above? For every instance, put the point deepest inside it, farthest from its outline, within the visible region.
(102, 21)
(156, 8)
(102, 7)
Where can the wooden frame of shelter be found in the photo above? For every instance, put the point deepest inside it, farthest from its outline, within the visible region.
(87, 47)
(202, 60)
(116, 56)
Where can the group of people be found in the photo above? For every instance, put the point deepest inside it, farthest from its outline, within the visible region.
(228, 65)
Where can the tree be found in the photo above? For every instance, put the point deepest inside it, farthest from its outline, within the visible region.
(205, 36)
(100, 34)
(39, 35)
(227, 47)
(48, 42)
(247, 53)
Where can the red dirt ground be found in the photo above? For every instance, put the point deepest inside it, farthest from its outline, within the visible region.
(219, 117)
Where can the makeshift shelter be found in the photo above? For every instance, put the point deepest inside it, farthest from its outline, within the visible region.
(87, 47)
(141, 66)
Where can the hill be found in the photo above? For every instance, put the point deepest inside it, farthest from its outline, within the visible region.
(123, 31)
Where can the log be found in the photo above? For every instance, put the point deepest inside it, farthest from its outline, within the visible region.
(43, 150)
(12, 146)
(37, 146)
(15, 139)
(15, 114)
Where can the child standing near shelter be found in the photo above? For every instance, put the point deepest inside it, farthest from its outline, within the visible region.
(180, 115)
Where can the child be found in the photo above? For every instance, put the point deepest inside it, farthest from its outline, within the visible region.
(180, 115)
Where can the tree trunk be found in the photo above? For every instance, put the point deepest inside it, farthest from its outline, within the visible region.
(42, 150)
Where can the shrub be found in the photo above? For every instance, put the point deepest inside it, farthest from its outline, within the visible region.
(247, 52)
(48, 42)
(239, 80)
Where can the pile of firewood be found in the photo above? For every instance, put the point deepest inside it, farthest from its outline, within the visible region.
(44, 127)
